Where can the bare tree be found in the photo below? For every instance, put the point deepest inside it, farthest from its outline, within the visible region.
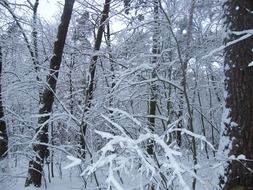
(153, 94)
(40, 147)
(3, 130)
(92, 72)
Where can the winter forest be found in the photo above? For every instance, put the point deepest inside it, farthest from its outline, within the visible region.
(126, 95)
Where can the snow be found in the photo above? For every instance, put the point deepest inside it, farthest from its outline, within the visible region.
(250, 64)
(241, 157)
(249, 31)
(75, 162)
(247, 35)
(131, 146)
(184, 32)
(116, 110)
(121, 129)
(41, 105)
(118, 130)
(63, 180)
(232, 157)
(109, 177)
(233, 124)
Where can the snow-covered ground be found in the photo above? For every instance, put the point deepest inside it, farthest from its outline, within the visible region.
(13, 178)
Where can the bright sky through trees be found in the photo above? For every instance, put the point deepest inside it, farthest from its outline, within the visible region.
(49, 8)
(126, 94)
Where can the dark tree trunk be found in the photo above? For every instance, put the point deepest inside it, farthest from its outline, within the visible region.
(3, 130)
(35, 38)
(92, 71)
(35, 166)
(239, 100)
(153, 88)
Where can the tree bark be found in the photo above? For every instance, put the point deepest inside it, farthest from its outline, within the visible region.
(35, 38)
(3, 129)
(239, 103)
(92, 71)
(36, 166)
(153, 88)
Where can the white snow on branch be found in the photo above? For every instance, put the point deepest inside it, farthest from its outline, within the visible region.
(250, 31)
(111, 179)
(121, 129)
(250, 64)
(169, 161)
(75, 162)
(115, 110)
(247, 35)
(200, 137)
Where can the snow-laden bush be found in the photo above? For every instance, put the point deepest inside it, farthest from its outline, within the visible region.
(123, 161)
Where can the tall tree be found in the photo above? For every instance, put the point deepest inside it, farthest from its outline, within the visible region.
(155, 51)
(35, 36)
(3, 130)
(36, 166)
(239, 103)
(92, 71)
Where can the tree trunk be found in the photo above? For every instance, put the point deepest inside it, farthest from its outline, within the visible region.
(3, 130)
(153, 97)
(35, 166)
(239, 103)
(184, 70)
(92, 71)
(35, 38)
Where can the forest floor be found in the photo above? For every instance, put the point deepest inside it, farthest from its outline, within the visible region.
(13, 177)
